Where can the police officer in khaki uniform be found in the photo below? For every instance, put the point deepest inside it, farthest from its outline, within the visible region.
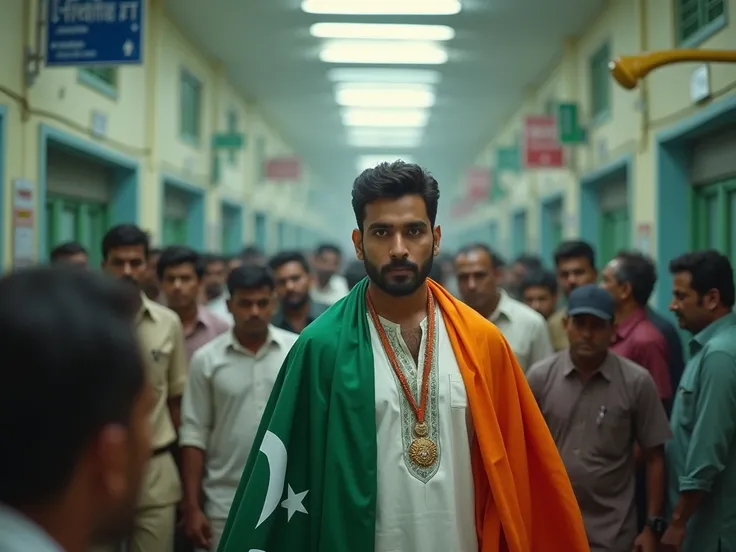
(125, 250)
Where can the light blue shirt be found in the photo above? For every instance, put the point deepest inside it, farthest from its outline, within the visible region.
(19, 534)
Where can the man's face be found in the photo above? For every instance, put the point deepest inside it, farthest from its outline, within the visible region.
(214, 278)
(541, 299)
(397, 244)
(326, 265)
(292, 284)
(476, 278)
(693, 311)
(575, 272)
(589, 335)
(252, 310)
(127, 262)
(180, 286)
(119, 461)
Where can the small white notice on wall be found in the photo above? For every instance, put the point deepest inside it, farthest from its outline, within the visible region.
(700, 84)
(24, 214)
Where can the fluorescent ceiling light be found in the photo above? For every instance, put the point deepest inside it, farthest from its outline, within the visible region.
(383, 7)
(388, 52)
(374, 31)
(406, 138)
(367, 95)
(370, 161)
(393, 118)
(375, 74)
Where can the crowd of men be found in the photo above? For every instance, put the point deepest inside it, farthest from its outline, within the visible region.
(647, 439)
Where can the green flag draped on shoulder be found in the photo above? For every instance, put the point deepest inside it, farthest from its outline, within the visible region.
(310, 480)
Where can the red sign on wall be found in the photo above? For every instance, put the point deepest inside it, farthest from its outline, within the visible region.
(542, 147)
(478, 183)
(283, 168)
(461, 208)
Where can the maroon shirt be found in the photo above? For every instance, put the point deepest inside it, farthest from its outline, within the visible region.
(640, 341)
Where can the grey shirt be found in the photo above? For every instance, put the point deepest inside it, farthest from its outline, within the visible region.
(20, 534)
(595, 425)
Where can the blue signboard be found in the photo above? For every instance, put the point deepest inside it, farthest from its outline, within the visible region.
(94, 32)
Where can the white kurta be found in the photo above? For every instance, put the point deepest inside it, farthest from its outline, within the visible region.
(420, 509)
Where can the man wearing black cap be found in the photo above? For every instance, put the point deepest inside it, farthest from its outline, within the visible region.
(597, 406)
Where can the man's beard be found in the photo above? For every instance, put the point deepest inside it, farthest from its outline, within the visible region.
(213, 291)
(295, 301)
(379, 275)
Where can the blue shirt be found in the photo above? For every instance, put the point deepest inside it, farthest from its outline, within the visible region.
(19, 534)
(701, 456)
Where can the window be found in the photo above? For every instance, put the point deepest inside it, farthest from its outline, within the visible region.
(696, 20)
(69, 219)
(103, 79)
(232, 128)
(191, 107)
(615, 235)
(600, 83)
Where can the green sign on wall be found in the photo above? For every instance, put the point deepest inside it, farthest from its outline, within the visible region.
(508, 159)
(568, 124)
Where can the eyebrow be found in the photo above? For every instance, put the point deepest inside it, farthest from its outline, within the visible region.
(386, 225)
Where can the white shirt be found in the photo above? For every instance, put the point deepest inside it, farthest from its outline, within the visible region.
(336, 289)
(227, 392)
(419, 509)
(525, 330)
(218, 306)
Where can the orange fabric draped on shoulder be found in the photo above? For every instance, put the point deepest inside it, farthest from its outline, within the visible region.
(524, 501)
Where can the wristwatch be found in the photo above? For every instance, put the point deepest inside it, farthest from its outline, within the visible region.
(657, 525)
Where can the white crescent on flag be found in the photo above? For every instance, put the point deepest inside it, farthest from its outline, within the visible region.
(275, 452)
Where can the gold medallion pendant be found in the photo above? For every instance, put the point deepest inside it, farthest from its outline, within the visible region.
(423, 452)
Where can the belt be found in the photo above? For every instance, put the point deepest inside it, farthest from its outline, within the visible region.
(164, 450)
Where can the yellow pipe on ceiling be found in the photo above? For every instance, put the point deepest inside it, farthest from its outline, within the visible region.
(629, 70)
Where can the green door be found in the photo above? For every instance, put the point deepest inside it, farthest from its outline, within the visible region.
(614, 233)
(713, 206)
(175, 231)
(70, 219)
(230, 241)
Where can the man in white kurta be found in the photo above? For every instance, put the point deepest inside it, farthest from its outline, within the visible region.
(227, 392)
(421, 508)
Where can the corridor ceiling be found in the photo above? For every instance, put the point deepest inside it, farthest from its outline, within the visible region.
(500, 48)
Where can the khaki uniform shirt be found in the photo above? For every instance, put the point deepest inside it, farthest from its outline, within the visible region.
(595, 425)
(557, 332)
(161, 339)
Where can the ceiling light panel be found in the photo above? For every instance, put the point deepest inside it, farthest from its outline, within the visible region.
(390, 118)
(374, 75)
(373, 31)
(385, 138)
(367, 95)
(382, 7)
(383, 52)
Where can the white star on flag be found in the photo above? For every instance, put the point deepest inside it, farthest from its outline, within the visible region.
(293, 502)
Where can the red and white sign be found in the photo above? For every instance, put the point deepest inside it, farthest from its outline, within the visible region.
(478, 183)
(283, 168)
(542, 147)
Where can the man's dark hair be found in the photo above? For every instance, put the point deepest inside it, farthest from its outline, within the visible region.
(709, 270)
(249, 277)
(251, 252)
(65, 250)
(539, 278)
(575, 249)
(58, 328)
(178, 255)
(284, 257)
(393, 181)
(124, 235)
(639, 271)
(153, 251)
(530, 262)
(328, 248)
(496, 260)
(354, 273)
(209, 258)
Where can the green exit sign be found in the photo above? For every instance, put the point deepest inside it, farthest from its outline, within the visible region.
(229, 140)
